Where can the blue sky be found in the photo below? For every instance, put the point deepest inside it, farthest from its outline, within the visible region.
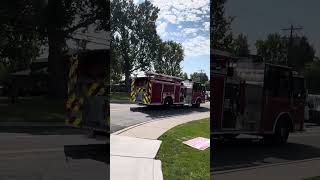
(187, 22)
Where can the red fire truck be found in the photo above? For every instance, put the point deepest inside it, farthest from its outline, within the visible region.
(255, 98)
(159, 89)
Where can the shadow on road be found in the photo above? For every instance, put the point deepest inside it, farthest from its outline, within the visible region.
(41, 130)
(246, 153)
(97, 152)
(160, 111)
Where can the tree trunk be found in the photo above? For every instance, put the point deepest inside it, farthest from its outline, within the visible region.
(56, 62)
(56, 65)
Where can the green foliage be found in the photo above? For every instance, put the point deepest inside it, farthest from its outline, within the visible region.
(241, 46)
(220, 26)
(169, 59)
(199, 77)
(185, 76)
(115, 67)
(19, 41)
(275, 50)
(134, 35)
(207, 85)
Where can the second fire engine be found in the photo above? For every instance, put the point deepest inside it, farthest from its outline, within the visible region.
(159, 89)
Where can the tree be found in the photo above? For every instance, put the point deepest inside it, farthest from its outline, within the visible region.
(19, 44)
(207, 85)
(169, 59)
(134, 35)
(199, 77)
(220, 26)
(185, 76)
(115, 67)
(275, 50)
(301, 54)
(240, 45)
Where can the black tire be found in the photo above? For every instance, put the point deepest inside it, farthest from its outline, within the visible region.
(167, 102)
(197, 104)
(281, 135)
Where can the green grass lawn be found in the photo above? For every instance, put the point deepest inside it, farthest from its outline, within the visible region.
(32, 109)
(122, 96)
(180, 161)
(314, 178)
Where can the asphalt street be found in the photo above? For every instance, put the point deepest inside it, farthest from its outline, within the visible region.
(250, 152)
(125, 115)
(51, 153)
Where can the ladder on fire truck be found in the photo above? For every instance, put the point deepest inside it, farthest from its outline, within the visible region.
(164, 77)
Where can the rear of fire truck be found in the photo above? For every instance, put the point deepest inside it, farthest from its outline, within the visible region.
(87, 102)
(141, 90)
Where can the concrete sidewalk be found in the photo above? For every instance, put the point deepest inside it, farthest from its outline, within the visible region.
(293, 170)
(133, 149)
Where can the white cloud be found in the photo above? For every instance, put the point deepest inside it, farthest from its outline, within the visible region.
(190, 30)
(170, 18)
(191, 21)
(197, 46)
(183, 10)
(161, 28)
(206, 26)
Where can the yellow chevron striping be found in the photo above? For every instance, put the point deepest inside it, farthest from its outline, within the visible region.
(92, 88)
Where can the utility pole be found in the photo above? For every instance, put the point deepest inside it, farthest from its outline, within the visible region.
(291, 29)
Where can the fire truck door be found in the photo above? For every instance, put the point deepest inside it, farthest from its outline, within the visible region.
(188, 99)
(177, 94)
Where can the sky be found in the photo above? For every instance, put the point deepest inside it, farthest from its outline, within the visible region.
(186, 22)
(257, 19)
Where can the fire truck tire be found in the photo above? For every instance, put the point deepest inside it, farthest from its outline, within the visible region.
(168, 102)
(280, 137)
(282, 132)
(197, 104)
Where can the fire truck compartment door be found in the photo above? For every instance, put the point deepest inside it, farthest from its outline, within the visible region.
(188, 99)
(94, 112)
(253, 110)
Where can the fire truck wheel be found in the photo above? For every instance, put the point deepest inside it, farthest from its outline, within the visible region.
(197, 104)
(282, 132)
(168, 102)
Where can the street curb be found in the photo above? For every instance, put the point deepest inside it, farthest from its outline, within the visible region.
(139, 124)
(134, 126)
(263, 166)
(33, 124)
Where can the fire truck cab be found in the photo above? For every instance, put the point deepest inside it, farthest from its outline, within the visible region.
(159, 89)
(255, 98)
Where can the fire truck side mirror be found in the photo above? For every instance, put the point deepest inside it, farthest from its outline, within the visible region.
(230, 71)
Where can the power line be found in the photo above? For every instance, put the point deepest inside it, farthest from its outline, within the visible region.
(291, 29)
